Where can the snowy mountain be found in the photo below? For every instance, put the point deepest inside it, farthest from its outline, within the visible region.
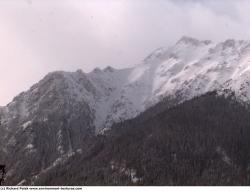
(54, 116)
(189, 68)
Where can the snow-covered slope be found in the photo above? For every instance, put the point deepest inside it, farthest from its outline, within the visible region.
(188, 68)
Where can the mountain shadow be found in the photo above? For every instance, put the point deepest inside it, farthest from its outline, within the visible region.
(203, 141)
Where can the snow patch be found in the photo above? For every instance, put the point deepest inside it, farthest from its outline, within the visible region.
(130, 172)
(29, 146)
(224, 155)
(22, 182)
(26, 124)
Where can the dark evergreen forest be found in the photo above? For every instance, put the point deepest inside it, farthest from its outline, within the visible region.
(203, 141)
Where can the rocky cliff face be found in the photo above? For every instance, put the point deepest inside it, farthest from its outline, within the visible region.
(44, 124)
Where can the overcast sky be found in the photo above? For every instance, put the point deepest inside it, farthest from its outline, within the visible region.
(39, 36)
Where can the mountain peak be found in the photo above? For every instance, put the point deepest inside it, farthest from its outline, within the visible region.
(79, 71)
(229, 43)
(193, 41)
(97, 70)
(109, 69)
(157, 53)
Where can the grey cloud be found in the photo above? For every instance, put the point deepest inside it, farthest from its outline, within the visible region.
(39, 36)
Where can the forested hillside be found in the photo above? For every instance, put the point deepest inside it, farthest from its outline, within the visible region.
(204, 141)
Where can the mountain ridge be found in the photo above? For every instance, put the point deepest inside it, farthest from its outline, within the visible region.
(49, 122)
(190, 67)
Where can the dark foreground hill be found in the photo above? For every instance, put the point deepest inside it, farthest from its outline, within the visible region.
(204, 141)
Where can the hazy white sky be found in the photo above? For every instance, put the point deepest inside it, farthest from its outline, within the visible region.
(39, 36)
